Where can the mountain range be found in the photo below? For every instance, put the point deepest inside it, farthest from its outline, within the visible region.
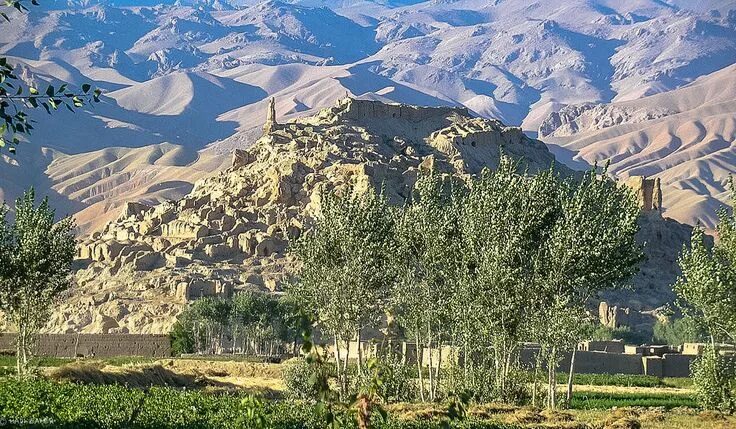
(646, 84)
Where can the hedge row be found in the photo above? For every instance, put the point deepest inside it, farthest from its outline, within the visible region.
(47, 404)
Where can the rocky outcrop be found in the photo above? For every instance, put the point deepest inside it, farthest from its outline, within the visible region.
(232, 230)
(648, 193)
(573, 119)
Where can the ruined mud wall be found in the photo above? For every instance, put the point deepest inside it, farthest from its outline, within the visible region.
(95, 345)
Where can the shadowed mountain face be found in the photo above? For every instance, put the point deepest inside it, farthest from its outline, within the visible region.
(185, 82)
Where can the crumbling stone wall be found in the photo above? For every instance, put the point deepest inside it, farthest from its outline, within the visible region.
(648, 192)
(95, 345)
(361, 109)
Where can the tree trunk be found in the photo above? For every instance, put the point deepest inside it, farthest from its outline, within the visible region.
(19, 352)
(338, 366)
(345, 369)
(568, 396)
(535, 386)
(419, 367)
(431, 367)
(360, 354)
(551, 370)
(437, 373)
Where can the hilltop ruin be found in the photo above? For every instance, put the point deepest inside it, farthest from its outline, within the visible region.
(231, 231)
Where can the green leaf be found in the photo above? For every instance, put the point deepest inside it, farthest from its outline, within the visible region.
(50, 91)
(86, 87)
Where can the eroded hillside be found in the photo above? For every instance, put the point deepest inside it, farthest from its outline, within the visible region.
(231, 231)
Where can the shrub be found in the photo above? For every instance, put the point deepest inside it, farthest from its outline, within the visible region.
(300, 378)
(677, 332)
(714, 379)
(182, 339)
(625, 333)
(396, 382)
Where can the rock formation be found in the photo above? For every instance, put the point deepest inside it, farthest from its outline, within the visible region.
(271, 123)
(231, 231)
(573, 119)
(648, 192)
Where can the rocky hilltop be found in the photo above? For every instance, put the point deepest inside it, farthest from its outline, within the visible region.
(231, 231)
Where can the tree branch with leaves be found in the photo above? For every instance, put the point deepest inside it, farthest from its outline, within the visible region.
(17, 97)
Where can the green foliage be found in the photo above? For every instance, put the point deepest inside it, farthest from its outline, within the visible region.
(387, 378)
(707, 286)
(706, 291)
(535, 249)
(43, 404)
(251, 322)
(182, 339)
(714, 380)
(484, 265)
(300, 378)
(427, 264)
(623, 380)
(604, 400)
(346, 267)
(625, 333)
(676, 332)
(18, 96)
(36, 254)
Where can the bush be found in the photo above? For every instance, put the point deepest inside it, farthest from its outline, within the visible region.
(625, 333)
(397, 382)
(481, 387)
(714, 379)
(300, 379)
(182, 339)
(677, 332)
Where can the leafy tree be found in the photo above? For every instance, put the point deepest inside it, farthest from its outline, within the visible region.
(428, 235)
(714, 380)
(345, 273)
(516, 257)
(706, 291)
(505, 220)
(35, 266)
(182, 339)
(17, 96)
(591, 247)
(678, 331)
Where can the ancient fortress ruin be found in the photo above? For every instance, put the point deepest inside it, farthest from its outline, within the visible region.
(648, 192)
(231, 231)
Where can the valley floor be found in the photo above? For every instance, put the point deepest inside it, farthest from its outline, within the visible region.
(605, 403)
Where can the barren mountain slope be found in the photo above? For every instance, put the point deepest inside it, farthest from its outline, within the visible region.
(686, 137)
(192, 77)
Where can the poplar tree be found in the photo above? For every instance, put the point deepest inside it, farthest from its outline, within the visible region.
(506, 218)
(346, 268)
(429, 248)
(707, 294)
(591, 247)
(36, 254)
